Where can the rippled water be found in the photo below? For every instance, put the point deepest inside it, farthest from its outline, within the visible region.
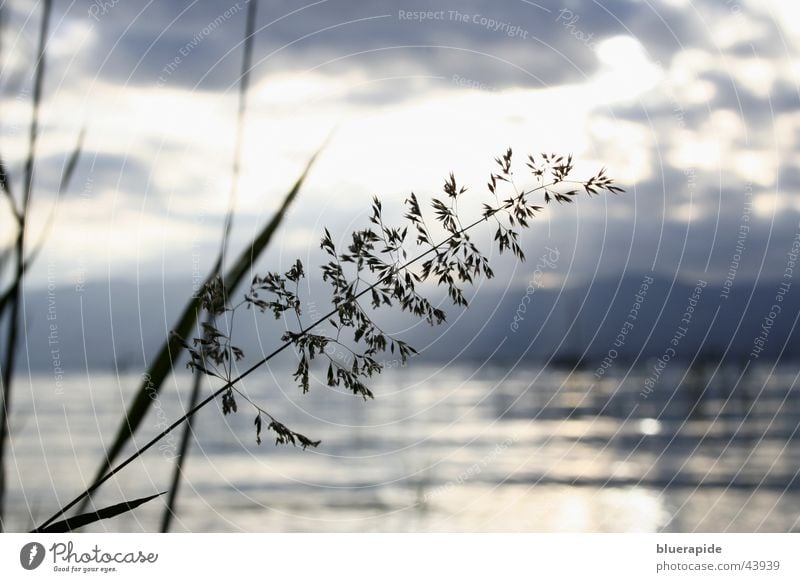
(457, 448)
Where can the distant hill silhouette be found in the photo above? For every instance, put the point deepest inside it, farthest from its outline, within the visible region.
(578, 325)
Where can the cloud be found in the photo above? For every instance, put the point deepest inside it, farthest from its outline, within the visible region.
(688, 105)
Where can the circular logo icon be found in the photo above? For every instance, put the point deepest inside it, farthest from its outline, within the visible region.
(31, 555)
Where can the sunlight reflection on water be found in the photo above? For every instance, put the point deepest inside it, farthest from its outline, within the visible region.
(439, 450)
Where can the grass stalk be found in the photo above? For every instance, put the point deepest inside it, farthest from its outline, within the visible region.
(231, 384)
(162, 365)
(19, 255)
(66, 180)
(244, 82)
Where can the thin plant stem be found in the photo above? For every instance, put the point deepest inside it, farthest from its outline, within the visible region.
(230, 384)
(183, 448)
(19, 256)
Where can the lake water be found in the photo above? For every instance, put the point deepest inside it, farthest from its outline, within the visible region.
(451, 448)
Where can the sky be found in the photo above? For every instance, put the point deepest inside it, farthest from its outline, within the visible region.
(691, 105)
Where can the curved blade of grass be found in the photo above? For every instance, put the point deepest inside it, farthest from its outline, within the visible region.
(84, 519)
(19, 251)
(171, 350)
(194, 397)
(66, 180)
(5, 186)
(507, 205)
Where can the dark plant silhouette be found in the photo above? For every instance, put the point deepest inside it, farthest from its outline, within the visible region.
(83, 519)
(374, 267)
(172, 349)
(194, 398)
(20, 257)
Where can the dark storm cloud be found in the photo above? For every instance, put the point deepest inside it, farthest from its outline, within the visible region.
(755, 108)
(527, 45)
(93, 168)
(137, 42)
(756, 111)
(789, 177)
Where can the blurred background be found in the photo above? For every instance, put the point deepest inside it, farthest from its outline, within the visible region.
(637, 373)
